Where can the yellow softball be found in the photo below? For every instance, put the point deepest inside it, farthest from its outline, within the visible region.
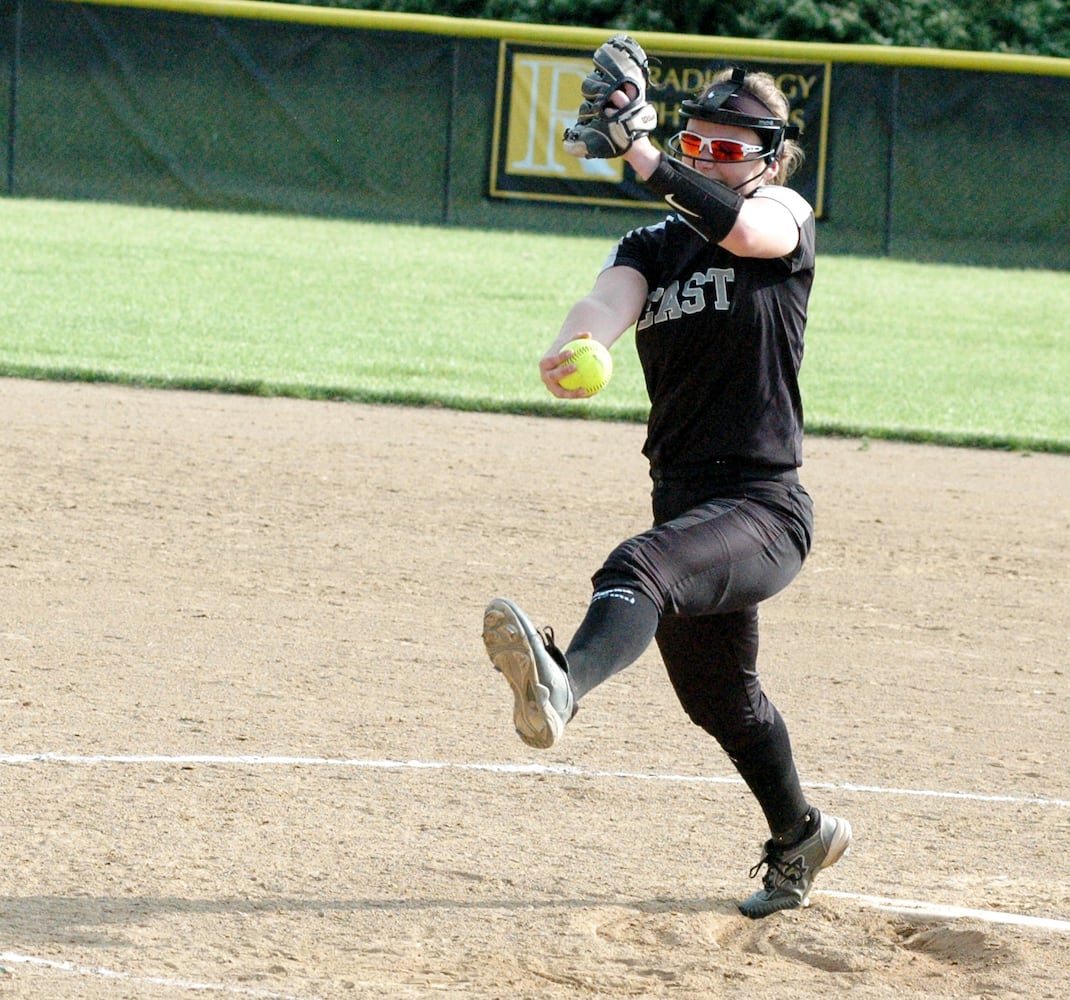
(594, 365)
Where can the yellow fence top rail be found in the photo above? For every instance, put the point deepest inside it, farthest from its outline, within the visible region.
(470, 27)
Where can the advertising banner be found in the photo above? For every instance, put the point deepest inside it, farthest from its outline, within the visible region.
(538, 94)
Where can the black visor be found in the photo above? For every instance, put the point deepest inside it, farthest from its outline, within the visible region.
(711, 107)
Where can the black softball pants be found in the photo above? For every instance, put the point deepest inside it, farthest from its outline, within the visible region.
(705, 566)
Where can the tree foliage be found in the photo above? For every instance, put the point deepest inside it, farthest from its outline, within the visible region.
(1033, 27)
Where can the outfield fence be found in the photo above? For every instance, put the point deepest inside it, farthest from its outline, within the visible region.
(242, 105)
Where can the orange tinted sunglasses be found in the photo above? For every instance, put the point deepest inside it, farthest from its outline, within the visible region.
(721, 150)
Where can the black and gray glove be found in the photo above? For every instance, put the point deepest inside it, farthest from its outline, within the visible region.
(604, 130)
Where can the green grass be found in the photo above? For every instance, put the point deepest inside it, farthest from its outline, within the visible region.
(935, 352)
(387, 313)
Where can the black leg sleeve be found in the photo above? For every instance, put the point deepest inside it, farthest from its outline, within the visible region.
(620, 624)
(769, 771)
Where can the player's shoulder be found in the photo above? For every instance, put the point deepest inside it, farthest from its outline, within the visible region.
(637, 245)
(666, 232)
(793, 201)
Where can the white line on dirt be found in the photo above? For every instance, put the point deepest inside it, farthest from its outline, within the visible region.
(562, 769)
(187, 985)
(903, 906)
(936, 911)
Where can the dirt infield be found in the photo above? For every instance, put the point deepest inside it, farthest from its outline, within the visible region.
(247, 633)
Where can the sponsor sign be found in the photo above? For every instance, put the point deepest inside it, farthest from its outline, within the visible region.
(539, 92)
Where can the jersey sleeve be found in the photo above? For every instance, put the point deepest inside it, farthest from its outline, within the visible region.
(639, 250)
(802, 257)
(793, 201)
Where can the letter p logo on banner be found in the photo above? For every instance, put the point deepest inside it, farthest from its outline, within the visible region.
(544, 96)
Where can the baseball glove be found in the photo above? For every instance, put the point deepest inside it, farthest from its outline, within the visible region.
(606, 127)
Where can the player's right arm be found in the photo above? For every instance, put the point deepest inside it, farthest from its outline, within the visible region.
(612, 306)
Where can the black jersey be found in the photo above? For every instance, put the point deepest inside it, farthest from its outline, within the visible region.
(720, 342)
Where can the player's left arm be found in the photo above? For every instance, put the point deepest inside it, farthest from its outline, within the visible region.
(763, 228)
(616, 119)
(747, 227)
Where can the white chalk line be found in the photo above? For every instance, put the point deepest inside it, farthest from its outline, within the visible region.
(184, 985)
(907, 907)
(561, 769)
(936, 911)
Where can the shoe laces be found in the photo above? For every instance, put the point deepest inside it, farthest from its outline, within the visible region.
(546, 634)
(778, 870)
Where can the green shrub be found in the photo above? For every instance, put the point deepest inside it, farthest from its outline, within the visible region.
(1035, 27)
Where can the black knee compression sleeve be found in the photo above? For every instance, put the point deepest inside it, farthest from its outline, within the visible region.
(708, 205)
(619, 625)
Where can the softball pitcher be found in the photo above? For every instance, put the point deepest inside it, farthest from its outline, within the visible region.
(717, 293)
